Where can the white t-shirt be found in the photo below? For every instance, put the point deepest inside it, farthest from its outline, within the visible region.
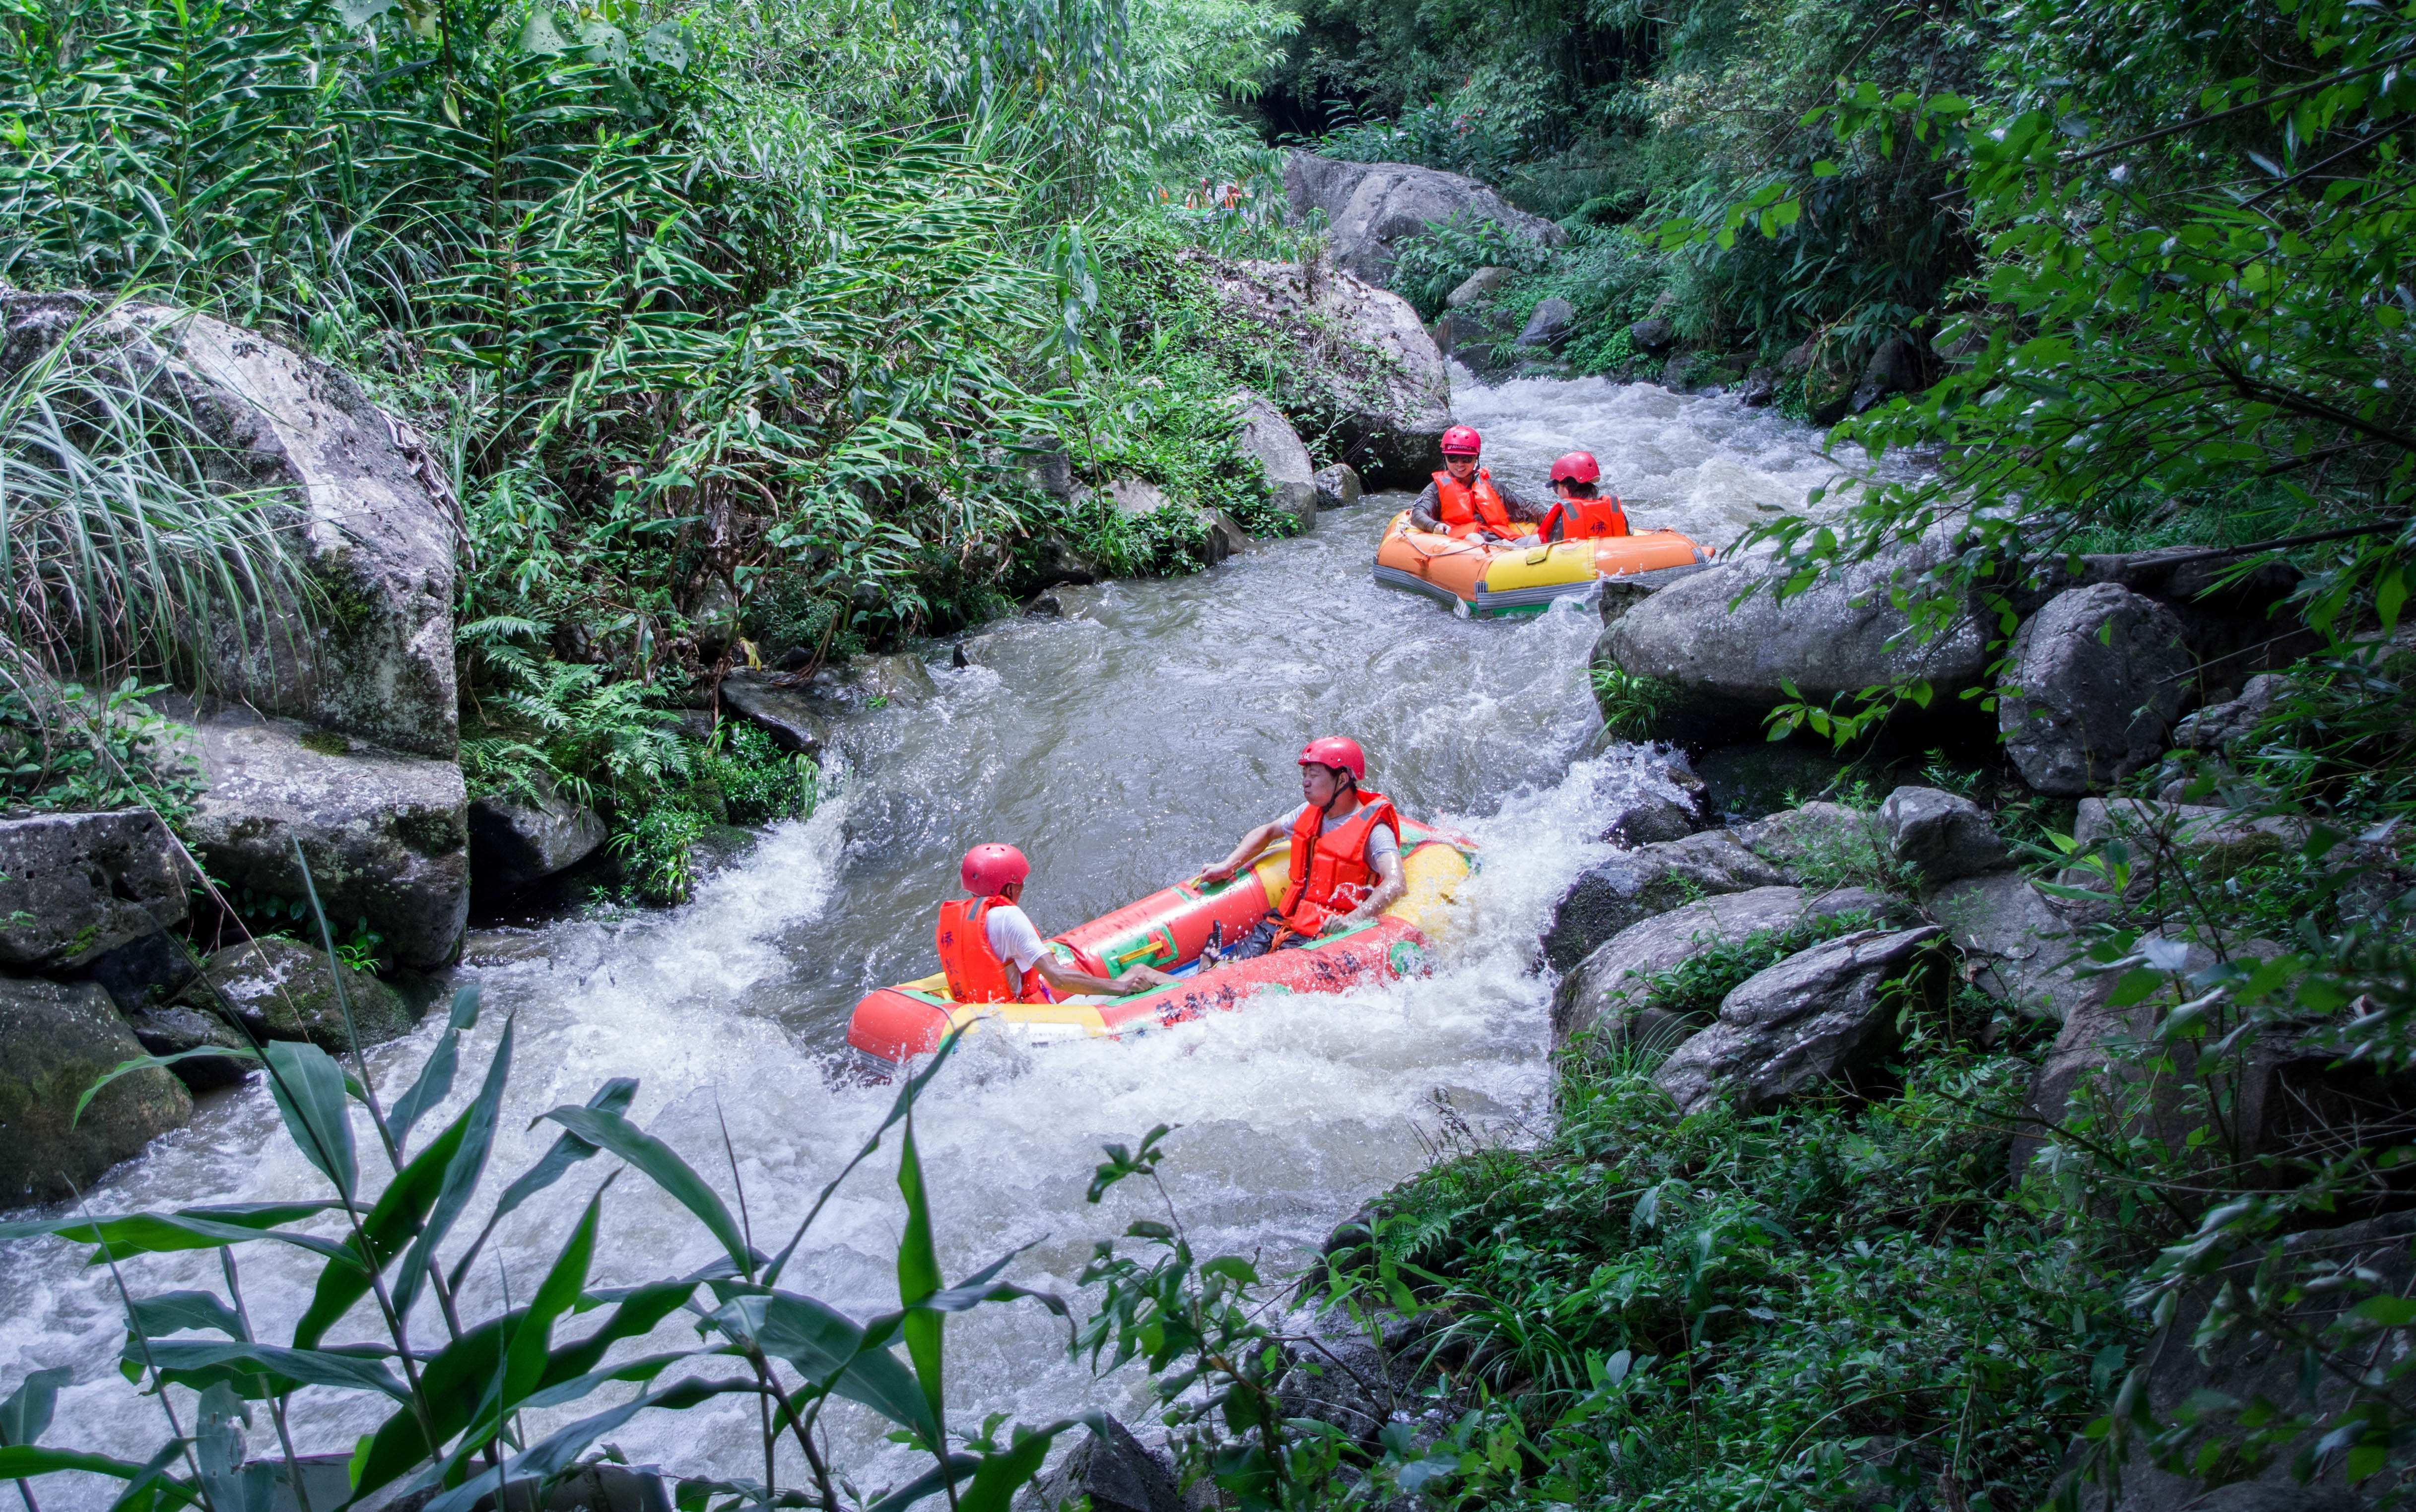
(1381, 839)
(1012, 938)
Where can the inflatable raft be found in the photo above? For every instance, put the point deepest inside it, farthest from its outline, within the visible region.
(1519, 576)
(1168, 929)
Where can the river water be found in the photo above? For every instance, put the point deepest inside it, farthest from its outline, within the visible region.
(1121, 747)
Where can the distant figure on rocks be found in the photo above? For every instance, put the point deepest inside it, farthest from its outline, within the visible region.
(1346, 855)
(1464, 501)
(992, 953)
(1581, 512)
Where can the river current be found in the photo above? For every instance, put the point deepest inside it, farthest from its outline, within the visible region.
(1121, 747)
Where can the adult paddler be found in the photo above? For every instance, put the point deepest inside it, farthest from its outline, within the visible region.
(1346, 854)
(1464, 501)
(992, 953)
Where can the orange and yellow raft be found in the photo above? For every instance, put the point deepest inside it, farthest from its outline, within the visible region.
(1520, 576)
(1169, 930)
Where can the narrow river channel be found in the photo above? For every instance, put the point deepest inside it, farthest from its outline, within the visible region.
(1121, 747)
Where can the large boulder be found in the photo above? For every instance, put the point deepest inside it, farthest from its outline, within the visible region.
(1940, 837)
(2237, 622)
(180, 1029)
(1815, 1018)
(1609, 992)
(283, 989)
(1367, 375)
(56, 1041)
(386, 835)
(367, 506)
(1817, 840)
(2099, 676)
(1727, 668)
(1371, 208)
(516, 838)
(1549, 325)
(1338, 486)
(75, 886)
(1649, 880)
(1292, 477)
(1108, 1472)
(2020, 947)
(783, 711)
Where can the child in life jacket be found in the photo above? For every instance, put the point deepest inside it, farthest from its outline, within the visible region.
(1579, 512)
(1463, 501)
(1346, 854)
(991, 953)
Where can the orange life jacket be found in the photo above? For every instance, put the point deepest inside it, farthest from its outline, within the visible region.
(1465, 510)
(1579, 519)
(976, 974)
(1330, 874)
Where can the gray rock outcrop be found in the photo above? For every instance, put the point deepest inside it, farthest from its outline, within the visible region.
(180, 1028)
(2019, 945)
(385, 835)
(56, 1041)
(1607, 991)
(1649, 880)
(1369, 374)
(372, 514)
(1338, 486)
(1942, 837)
(516, 839)
(786, 714)
(1553, 321)
(75, 886)
(283, 989)
(2099, 676)
(2221, 726)
(1817, 837)
(1839, 636)
(1654, 335)
(1113, 1471)
(1476, 286)
(1815, 1018)
(1371, 208)
(1292, 477)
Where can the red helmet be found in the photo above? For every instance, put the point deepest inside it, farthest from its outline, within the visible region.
(991, 869)
(1576, 467)
(1462, 441)
(1339, 751)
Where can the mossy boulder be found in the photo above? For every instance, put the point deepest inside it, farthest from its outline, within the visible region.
(56, 1041)
(283, 989)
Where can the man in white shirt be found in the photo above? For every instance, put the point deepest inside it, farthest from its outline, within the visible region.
(1346, 854)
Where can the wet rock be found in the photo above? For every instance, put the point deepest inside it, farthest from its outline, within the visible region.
(1370, 370)
(786, 714)
(142, 973)
(2235, 624)
(176, 1028)
(2221, 727)
(56, 1041)
(1113, 1471)
(1338, 486)
(1649, 880)
(1550, 325)
(2099, 676)
(73, 886)
(1654, 819)
(722, 846)
(1341, 1375)
(1482, 339)
(1607, 994)
(516, 839)
(1760, 390)
(1813, 1019)
(2219, 838)
(1477, 286)
(1050, 470)
(1841, 635)
(1623, 593)
(1893, 369)
(1817, 837)
(1942, 837)
(283, 989)
(1654, 335)
(366, 503)
(1371, 208)
(387, 835)
(1227, 538)
(897, 679)
(1291, 479)
(2017, 942)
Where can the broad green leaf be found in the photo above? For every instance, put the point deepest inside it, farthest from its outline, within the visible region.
(835, 1353)
(918, 1276)
(217, 1448)
(2388, 1311)
(550, 1456)
(388, 1227)
(308, 1087)
(173, 1313)
(316, 1367)
(434, 1084)
(660, 1165)
(191, 1228)
(567, 1150)
(26, 1414)
(145, 1063)
(462, 1174)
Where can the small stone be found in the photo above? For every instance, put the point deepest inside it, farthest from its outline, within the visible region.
(786, 714)
(179, 1028)
(515, 838)
(1942, 837)
(1477, 286)
(1550, 325)
(1338, 486)
(1648, 881)
(1655, 336)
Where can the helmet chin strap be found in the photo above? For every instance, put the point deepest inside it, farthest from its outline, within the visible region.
(1349, 783)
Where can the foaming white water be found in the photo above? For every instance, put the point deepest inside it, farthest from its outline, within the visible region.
(1120, 747)
(1701, 464)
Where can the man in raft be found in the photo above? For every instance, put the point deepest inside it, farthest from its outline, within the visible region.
(1580, 511)
(992, 953)
(1346, 854)
(1464, 501)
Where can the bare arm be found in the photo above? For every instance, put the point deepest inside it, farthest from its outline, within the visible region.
(1068, 982)
(1255, 842)
(1389, 891)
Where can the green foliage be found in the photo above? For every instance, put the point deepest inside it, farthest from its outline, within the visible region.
(657, 851)
(63, 748)
(1428, 268)
(1696, 986)
(562, 725)
(759, 784)
(1633, 706)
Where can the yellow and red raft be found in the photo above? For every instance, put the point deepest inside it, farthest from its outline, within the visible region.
(1523, 575)
(1168, 929)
